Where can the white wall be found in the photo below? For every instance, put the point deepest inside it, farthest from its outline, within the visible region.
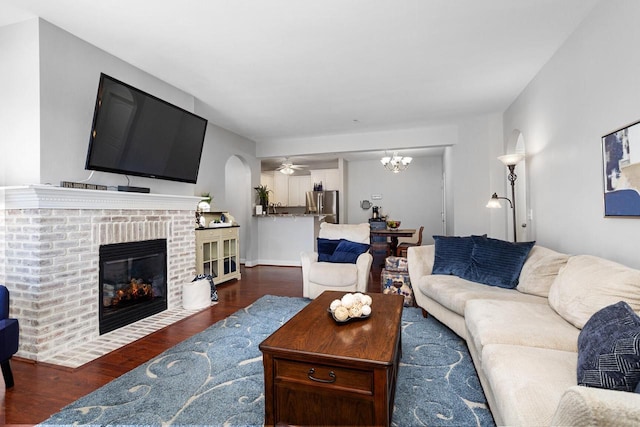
(48, 96)
(413, 196)
(589, 88)
(19, 104)
(475, 174)
(69, 73)
(54, 93)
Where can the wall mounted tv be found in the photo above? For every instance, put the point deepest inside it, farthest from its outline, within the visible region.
(135, 133)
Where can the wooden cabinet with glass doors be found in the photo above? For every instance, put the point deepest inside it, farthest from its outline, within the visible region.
(218, 253)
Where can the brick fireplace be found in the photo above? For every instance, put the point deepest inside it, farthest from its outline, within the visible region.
(50, 239)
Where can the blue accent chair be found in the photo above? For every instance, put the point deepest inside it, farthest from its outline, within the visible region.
(8, 337)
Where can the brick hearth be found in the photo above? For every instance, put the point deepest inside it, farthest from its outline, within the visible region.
(49, 241)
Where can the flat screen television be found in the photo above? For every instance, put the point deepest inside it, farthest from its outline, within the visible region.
(135, 133)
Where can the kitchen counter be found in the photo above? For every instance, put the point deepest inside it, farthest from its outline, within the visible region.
(284, 236)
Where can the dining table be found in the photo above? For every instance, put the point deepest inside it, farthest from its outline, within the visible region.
(393, 234)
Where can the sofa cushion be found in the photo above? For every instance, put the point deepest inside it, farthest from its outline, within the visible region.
(588, 283)
(496, 262)
(348, 252)
(333, 274)
(609, 349)
(453, 292)
(326, 248)
(518, 323)
(527, 382)
(452, 255)
(540, 270)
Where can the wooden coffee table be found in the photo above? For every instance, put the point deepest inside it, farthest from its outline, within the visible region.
(319, 372)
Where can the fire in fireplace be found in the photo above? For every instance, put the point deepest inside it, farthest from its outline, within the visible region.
(133, 282)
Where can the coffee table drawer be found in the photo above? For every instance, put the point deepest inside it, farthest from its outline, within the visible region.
(318, 375)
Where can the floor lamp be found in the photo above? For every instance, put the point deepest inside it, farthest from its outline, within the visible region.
(510, 161)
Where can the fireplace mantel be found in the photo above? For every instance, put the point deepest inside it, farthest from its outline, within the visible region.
(50, 197)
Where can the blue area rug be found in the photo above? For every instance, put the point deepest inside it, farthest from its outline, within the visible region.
(216, 377)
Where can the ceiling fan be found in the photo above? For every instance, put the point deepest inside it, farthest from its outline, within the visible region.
(287, 167)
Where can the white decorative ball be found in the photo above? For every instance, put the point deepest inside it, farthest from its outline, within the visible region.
(355, 310)
(341, 313)
(357, 297)
(347, 300)
(366, 300)
(366, 310)
(335, 304)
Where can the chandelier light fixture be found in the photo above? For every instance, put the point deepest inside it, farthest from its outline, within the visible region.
(395, 163)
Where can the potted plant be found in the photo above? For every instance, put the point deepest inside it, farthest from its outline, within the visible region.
(206, 197)
(205, 202)
(263, 196)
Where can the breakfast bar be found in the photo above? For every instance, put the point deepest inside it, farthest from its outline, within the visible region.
(284, 236)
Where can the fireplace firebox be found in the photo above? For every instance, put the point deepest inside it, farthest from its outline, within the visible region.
(133, 282)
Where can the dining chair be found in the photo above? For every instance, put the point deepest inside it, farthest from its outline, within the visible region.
(401, 250)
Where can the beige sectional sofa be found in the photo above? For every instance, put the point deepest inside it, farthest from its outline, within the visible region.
(524, 341)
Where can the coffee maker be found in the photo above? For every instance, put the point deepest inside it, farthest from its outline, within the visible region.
(376, 213)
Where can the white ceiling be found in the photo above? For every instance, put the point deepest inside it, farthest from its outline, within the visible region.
(276, 69)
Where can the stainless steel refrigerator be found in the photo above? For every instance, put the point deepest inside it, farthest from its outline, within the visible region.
(324, 203)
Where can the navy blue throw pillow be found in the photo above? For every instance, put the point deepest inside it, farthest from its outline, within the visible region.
(326, 248)
(348, 252)
(609, 349)
(497, 262)
(452, 255)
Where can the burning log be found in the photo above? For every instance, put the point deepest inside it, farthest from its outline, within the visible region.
(136, 290)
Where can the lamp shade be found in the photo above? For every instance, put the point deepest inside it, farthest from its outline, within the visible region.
(494, 203)
(511, 159)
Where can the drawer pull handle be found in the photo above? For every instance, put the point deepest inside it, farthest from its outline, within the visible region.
(329, 381)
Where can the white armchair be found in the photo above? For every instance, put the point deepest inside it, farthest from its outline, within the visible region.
(318, 277)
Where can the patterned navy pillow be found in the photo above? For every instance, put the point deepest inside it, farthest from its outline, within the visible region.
(452, 255)
(348, 251)
(609, 349)
(326, 248)
(497, 262)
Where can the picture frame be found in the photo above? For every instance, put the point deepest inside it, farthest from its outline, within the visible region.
(621, 172)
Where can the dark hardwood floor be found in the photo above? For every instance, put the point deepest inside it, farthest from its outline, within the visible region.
(41, 390)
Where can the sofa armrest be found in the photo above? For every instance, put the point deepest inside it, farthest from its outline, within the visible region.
(420, 261)
(581, 406)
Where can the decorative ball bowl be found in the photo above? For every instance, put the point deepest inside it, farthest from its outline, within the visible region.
(350, 307)
(393, 224)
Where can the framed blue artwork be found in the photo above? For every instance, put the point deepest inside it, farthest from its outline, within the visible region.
(621, 172)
